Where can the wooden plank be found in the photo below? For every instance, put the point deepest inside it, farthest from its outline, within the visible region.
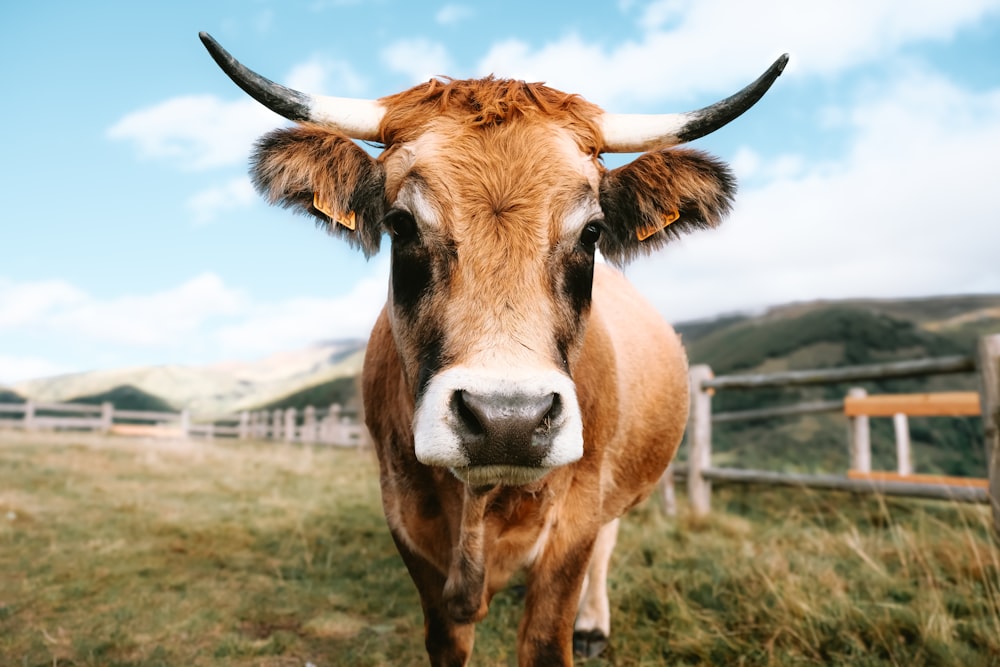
(151, 415)
(989, 387)
(918, 478)
(965, 494)
(91, 423)
(146, 431)
(904, 453)
(67, 407)
(859, 435)
(895, 369)
(942, 404)
(12, 407)
(699, 442)
(810, 408)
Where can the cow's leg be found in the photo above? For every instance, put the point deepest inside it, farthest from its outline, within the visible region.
(545, 636)
(449, 644)
(593, 622)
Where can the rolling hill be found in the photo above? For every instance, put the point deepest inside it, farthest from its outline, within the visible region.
(215, 390)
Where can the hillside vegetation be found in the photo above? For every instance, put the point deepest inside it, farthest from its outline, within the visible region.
(827, 335)
(127, 397)
(129, 553)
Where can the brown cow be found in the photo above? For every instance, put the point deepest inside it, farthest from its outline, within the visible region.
(521, 399)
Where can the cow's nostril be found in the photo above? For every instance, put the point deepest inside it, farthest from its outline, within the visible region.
(468, 416)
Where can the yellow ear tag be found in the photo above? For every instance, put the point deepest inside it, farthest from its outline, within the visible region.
(645, 232)
(348, 219)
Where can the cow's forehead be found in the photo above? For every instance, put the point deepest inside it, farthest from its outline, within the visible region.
(534, 168)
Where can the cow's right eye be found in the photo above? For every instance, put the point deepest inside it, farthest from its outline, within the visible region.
(590, 234)
(401, 225)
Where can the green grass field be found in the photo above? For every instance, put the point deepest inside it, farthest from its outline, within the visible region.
(122, 552)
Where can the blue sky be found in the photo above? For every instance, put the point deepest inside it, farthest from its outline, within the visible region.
(130, 234)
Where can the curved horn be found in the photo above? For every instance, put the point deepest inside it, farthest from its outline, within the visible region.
(634, 133)
(357, 118)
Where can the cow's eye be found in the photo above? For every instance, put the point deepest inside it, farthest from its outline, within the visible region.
(590, 234)
(401, 225)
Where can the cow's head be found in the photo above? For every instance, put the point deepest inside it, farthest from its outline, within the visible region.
(495, 200)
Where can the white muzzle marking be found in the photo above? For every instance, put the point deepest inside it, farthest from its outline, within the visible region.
(437, 429)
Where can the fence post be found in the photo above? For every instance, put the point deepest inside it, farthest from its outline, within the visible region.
(260, 432)
(309, 424)
(290, 425)
(700, 441)
(107, 417)
(244, 428)
(276, 417)
(29, 415)
(860, 436)
(668, 492)
(989, 396)
(185, 424)
(334, 434)
(904, 459)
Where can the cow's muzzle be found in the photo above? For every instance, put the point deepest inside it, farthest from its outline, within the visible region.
(493, 429)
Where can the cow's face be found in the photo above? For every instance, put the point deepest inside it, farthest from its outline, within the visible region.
(494, 231)
(495, 201)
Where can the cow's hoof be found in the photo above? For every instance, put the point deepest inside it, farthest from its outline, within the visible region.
(589, 643)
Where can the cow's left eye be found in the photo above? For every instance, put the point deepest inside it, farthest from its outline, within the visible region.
(590, 234)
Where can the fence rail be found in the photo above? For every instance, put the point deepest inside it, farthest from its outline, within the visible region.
(334, 425)
(858, 407)
(886, 371)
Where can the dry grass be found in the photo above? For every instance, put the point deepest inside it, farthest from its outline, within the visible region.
(122, 552)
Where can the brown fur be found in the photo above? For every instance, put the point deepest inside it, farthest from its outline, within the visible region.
(487, 102)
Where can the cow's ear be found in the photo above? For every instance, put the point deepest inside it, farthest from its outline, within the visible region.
(320, 172)
(659, 196)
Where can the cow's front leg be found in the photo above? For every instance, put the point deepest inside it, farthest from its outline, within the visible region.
(554, 581)
(593, 622)
(448, 642)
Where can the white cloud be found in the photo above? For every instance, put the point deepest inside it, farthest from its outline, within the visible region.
(14, 369)
(418, 59)
(156, 319)
(715, 45)
(208, 204)
(160, 319)
(202, 314)
(204, 131)
(323, 76)
(196, 132)
(25, 304)
(299, 321)
(909, 211)
(453, 14)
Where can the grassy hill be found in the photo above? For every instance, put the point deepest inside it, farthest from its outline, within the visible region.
(127, 397)
(217, 389)
(8, 396)
(342, 390)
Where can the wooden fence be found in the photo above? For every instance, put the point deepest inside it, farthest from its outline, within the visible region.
(859, 408)
(333, 426)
